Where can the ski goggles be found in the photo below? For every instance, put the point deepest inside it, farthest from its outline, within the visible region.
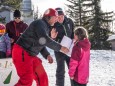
(2, 31)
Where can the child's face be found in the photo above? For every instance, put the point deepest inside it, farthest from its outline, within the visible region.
(76, 37)
(1, 33)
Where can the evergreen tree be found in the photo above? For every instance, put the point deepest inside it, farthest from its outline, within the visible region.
(12, 3)
(37, 14)
(80, 11)
(2, 19)
(88, 13)
(100, 27)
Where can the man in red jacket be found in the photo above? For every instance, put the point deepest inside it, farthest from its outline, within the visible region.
(16, 27)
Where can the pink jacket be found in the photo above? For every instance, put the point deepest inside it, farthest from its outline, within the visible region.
(79, 61)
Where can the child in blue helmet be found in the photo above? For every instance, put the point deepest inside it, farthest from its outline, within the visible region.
(5, 45)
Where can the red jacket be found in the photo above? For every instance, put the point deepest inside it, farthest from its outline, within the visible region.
(14, 29)
(79, 61)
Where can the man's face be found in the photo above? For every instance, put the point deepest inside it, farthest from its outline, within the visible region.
(17, 19)
(60, 18)
(53, 20)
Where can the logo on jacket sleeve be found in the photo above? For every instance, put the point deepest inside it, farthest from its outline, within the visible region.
(42, 41)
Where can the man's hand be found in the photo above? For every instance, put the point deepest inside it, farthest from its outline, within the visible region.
(53, 33)
(50, 59)
(12, 40)
(20, 33)
(64, 49)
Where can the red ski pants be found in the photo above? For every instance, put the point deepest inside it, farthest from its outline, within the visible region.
(28, 68)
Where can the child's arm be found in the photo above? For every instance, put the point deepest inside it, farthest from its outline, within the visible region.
(72, 67)
(75, 57)
(8, 45)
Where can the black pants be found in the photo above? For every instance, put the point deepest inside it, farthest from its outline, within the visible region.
(77, 84)
(2, 54)
(60, 71)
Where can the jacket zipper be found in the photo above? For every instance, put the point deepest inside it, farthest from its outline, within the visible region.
(65, 30)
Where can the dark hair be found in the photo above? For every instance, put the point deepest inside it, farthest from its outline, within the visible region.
(81, 32)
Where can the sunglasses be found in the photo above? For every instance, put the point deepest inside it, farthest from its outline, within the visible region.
(17, 17)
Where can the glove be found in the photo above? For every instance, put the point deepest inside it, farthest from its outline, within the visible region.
(8, 53)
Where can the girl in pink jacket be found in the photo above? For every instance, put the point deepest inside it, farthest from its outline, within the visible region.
(79, 61)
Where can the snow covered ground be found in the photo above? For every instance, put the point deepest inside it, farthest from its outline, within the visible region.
(102, 70)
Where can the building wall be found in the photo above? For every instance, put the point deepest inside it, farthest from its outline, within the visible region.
(27, 12)
(26, 5)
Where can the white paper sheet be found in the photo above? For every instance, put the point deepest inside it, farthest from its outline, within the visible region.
(67, 42)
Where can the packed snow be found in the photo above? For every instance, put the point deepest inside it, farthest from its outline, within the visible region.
(102, 69)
